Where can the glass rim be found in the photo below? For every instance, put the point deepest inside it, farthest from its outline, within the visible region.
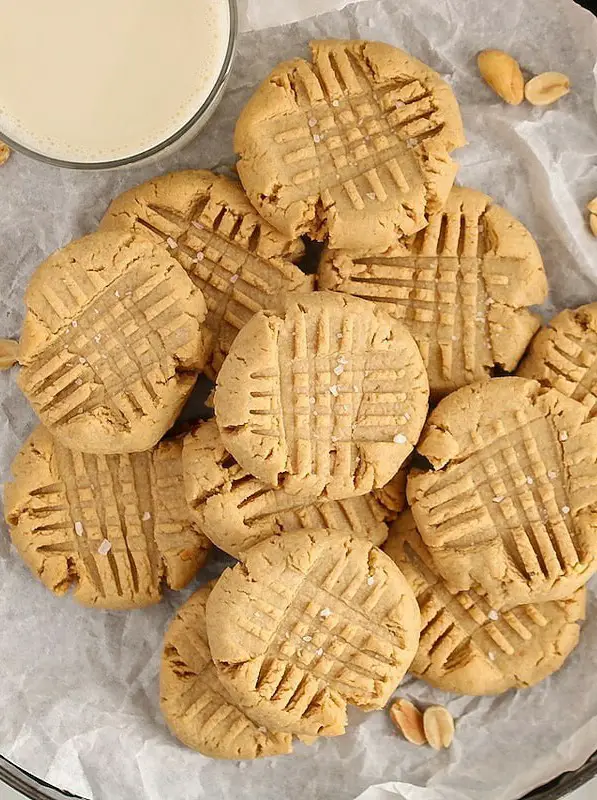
(126, 161)
(35, 788)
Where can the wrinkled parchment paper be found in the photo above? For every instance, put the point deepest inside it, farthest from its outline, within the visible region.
(78, 690)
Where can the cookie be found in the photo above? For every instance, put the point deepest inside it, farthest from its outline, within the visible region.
(461, 287)
(236, 511)
(111, 344)
(354, 145)
(238, 261)
(331, 399)
(509, 508)
(196, 706)
(469, 648)
(564, 355)
(309, 622)
(114, 528)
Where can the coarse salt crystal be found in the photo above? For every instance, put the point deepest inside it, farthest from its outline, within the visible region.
(491, 656)
(79, 382)
(498, 498)
(493, 615)
(316, 138)
(74, 322)
(312, 122)
(529, 480)
(338, 336)
(552, 474)
(307, 638)
(344, 407)
(334, 390)
(97, 338)
(82, 360)
(342, 360)
(411, 142)
(319, 651)
(79, 530)
(406, 415)
(171, 242)
(454, 338)
(371, 195)
(355, 388)
(312, 400)
(233, 278)
(339, 369)
(490, 301)
(400, 438)
(104, 548)
(370, 580)
(399, 103)
(197, 225)
(565, 509)
(325, 612)
(200, 256)
(146, 516)
(563, 436)
(116, 293)
(335, 103)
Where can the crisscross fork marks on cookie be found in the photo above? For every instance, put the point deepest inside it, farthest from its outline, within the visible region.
(577, 365)
(505, 489)
(300, 642)
(453, 623)
(219, 250)
(326, 620)
(352, 137)
(195, 704)
(111, 498)
(331, 390)
(116, 339)
(438, 289)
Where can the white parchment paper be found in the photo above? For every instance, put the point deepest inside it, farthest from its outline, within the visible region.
(78, 688)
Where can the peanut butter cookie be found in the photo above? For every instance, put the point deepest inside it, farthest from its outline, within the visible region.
(309, 622)
(355, 145)
(470, 648)
(509, 507)
(115, 528)
(330, 399)
(564, 355)
(112, 343)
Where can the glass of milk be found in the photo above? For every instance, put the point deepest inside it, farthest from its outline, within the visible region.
(99, 85)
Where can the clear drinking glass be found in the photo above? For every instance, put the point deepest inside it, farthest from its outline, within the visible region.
(184, 135)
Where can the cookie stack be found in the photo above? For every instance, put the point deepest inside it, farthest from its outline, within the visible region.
(322, 386)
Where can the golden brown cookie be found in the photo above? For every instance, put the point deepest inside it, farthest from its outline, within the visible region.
(461, 287)
(239, 262)
(198, 709)
(111, 344)
(115, 528)
(309, 622)
(564, 355)
(330, 399)
(236, 511)
(509, 507)
(468, 647)
(354, 145)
